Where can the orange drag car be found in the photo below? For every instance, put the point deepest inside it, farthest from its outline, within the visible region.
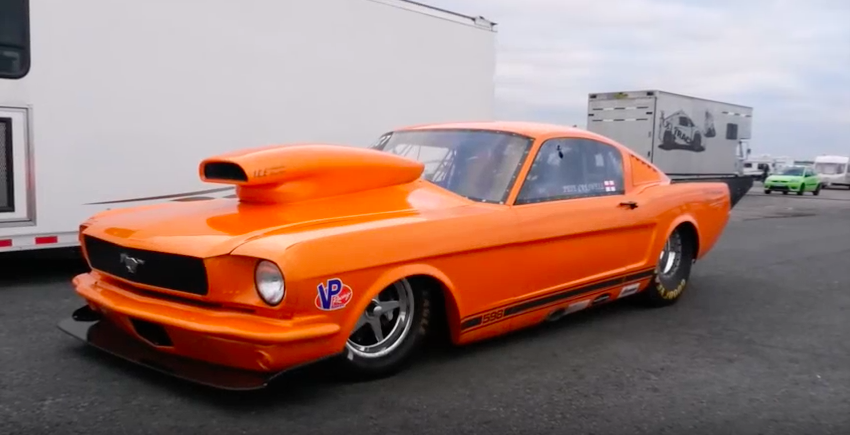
(359, 254)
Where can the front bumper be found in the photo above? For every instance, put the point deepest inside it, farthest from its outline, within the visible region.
(784, 187)
(223, 349)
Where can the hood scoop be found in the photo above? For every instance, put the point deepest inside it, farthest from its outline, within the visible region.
(291, 173)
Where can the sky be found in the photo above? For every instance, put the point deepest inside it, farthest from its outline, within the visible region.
(788, 59)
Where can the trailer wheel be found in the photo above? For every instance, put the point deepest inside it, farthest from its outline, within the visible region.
(697, 143)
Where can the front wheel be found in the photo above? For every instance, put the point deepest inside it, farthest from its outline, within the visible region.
(672, 272)
(389, 332)
(817, 190)
(802, 190)
(767, 191)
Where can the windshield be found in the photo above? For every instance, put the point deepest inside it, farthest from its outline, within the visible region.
(794, 170)
(477, 164)
(829, 168)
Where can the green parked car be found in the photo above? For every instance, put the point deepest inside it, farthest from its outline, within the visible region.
(798, 179)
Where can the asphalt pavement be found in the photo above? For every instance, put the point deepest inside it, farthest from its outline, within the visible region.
(760, 343)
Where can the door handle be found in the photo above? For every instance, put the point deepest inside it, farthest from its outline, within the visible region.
(630, 204)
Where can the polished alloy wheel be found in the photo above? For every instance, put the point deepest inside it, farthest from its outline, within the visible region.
(385, 323)
(671, 256)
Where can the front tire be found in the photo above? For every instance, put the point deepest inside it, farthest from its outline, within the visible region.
(672, 272)
(389, 332)
(817, 190)
(768, 191)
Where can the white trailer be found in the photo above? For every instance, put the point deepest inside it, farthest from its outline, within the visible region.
(833, 171)
(682, 135)
(108, 103)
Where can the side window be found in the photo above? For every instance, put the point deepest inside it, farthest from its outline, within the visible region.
(14, 39)
(731, 131)
(573, 168)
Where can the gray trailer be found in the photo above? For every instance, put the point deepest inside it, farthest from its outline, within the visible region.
(686, 137)
(678, 133)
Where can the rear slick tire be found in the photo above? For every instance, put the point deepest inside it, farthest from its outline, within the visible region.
(402, 313)
(673, 271)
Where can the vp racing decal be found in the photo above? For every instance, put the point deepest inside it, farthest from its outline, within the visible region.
(333, 295)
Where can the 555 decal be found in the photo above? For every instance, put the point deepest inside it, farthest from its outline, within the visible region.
(333, 295)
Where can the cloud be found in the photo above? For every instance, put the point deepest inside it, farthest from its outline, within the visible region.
(790, 60)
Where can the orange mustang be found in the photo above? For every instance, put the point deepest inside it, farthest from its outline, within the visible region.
(475, 229)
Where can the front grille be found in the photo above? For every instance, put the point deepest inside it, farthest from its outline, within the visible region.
(169, 271)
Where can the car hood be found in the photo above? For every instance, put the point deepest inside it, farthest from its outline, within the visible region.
(218, 226)
(785, 178)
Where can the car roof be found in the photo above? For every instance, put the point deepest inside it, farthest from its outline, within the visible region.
(532, 129)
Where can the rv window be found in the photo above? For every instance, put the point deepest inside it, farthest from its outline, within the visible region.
(748, 165)
(731, 131)
(829, 168)
(14, 39)
(683, 121)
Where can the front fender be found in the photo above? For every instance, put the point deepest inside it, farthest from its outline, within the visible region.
(388, 277)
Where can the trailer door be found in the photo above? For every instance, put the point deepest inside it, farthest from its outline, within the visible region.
(627, 121)
(14, 198)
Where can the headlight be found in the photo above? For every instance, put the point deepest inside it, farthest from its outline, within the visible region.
(269, 282)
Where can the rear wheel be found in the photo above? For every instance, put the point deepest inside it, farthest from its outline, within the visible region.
(389, 332)
(673, 270)
(767, 191)
(817, 190)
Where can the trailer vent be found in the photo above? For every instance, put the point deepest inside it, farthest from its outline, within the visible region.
(224, 171)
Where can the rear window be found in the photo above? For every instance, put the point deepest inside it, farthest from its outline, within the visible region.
(14, 39)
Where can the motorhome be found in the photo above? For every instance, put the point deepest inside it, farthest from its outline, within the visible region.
(107, 104)
(755, 165)
(833, 171)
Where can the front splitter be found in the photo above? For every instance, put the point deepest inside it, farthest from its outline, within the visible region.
(106, 336)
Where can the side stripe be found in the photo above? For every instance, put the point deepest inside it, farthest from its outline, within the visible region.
(531, 305)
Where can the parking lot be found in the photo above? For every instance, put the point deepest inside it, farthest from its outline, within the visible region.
(759, 344)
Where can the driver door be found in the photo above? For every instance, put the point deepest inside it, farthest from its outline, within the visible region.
(810, 179)
(576, 221)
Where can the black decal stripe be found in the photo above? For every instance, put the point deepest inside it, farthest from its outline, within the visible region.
(471, 323)
(151, 198)
(559, 296)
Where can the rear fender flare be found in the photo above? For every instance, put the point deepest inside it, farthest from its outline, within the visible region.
(679, 220)
(392, 275)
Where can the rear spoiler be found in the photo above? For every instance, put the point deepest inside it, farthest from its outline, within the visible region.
(739, 185)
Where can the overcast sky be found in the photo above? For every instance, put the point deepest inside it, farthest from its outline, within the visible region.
(788, 59)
